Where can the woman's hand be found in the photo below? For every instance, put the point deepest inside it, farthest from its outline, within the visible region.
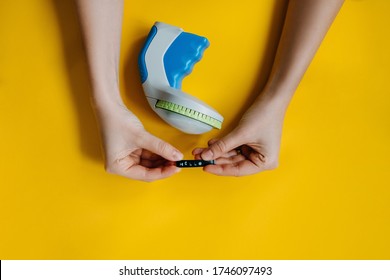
(253, 146)
(130, 150)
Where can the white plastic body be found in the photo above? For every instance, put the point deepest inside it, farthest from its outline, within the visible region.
(156, 86)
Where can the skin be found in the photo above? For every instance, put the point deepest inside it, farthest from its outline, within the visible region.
(253, 146)
(129, 150)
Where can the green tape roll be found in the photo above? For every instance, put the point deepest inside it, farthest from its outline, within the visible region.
(172, 107)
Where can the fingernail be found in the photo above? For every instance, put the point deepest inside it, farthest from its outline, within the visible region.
(177, 155)
(207, 155)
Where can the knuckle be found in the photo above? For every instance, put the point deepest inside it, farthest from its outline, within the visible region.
(162, 146)
(273, 164)
(110, 169)
(236, 170)
(212, 141)
(147, 178)
(220, 146)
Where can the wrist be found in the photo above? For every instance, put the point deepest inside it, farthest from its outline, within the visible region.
(112, 113)
(104, 92)
(107, 101)
(105, 85)
(274, 101)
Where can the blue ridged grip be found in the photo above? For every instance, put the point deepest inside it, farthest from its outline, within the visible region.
(141, 58)
(181, 56)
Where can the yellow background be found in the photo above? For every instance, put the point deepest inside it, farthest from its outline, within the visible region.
(329, 199)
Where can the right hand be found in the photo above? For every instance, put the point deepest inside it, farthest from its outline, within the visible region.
(252, 147)
(131, 151)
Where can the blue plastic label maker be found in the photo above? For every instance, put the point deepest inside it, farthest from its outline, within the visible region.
(169, 54)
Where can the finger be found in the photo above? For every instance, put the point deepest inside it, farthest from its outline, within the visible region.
(230, 160)
(237, 169)
(197, 157)
(153, 163)
(232, 153)
(160, 147)
(197, 151)
(150, 155)
(221, 146)
(212, 141)
(170, 163)
(138, 172)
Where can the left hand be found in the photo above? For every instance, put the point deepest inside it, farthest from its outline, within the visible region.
(130, 150)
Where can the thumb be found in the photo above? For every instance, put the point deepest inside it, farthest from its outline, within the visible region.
(221, 146)
(160, 147)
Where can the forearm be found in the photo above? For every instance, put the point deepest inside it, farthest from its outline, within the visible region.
(306, 24)
(101, 21)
